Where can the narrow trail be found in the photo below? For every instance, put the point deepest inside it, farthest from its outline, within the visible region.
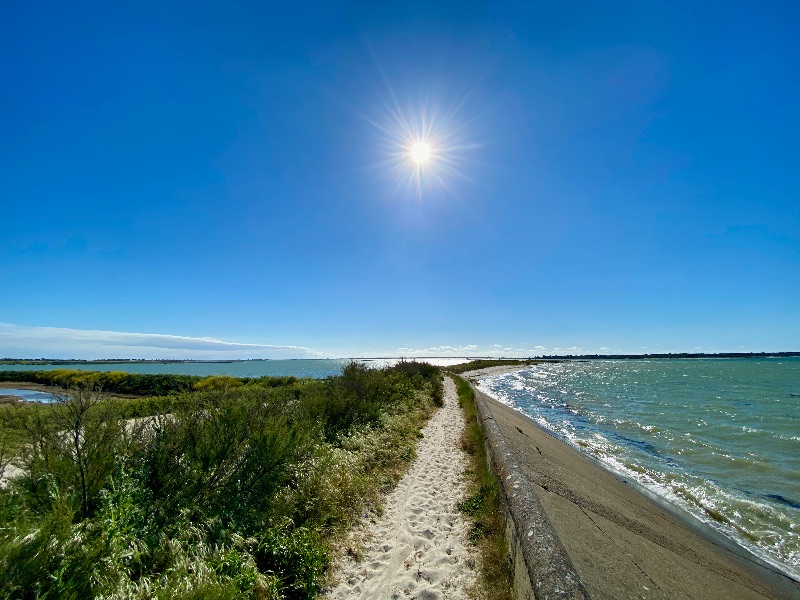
(418, 548)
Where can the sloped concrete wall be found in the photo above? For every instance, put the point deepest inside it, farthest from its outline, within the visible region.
(542, 569)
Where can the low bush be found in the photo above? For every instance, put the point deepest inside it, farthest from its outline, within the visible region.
(112, 381)
(232, 491)
(474, 365)
(138, 384)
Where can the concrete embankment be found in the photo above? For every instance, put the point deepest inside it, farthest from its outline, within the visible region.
(576, 530)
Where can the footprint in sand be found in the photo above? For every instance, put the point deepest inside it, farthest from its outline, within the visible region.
(419, 546)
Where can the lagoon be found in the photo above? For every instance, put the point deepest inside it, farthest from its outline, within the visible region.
(314, 368)
(30, 395)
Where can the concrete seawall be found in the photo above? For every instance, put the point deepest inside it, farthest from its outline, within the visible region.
(541, 568)
(576, 530)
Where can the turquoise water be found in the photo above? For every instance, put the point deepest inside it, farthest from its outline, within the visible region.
(720, 438)
(251, 368)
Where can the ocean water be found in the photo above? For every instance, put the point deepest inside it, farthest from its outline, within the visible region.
(720, 438)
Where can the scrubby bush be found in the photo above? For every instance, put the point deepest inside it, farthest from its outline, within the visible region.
(143, 384)
(218, 382)
(139, 384)
(228, 492)
(422, 371)
(474, 365)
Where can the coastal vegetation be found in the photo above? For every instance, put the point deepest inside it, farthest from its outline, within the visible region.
(137, 384)
(226, 489)
(482, 505)
(485, 363)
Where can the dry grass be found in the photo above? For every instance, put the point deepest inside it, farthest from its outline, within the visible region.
(482, 507)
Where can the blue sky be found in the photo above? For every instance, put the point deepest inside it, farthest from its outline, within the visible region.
(232, 179)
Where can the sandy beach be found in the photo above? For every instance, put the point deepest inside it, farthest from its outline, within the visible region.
(418, 547)
(622, 543)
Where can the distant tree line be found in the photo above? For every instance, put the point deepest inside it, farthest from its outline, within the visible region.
(137, 384)
(474, 365)
(110, 361)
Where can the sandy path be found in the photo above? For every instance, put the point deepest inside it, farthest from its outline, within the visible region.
(418, 548)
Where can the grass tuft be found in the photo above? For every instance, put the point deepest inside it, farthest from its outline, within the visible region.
(482, 506)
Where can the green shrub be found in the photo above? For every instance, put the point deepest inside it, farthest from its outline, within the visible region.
(72, 446)
(230, 492)
(114, 381)
(482, 505)
(474, 365)
(296, 556)
(218, 382)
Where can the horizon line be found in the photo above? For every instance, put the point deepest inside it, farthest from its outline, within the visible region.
(403, 357)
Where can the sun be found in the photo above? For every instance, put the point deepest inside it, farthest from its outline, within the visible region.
(421, 153)
(424, 144)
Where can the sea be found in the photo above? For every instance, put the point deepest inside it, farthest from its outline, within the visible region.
(718, 438)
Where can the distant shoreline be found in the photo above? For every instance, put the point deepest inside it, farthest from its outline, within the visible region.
(677, 355)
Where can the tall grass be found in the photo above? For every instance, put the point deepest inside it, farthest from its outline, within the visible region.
(235, 491)
(482, 505)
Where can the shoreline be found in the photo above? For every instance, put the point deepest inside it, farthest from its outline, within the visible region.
(590, 507)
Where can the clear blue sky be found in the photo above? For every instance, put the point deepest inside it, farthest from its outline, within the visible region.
(607, 176)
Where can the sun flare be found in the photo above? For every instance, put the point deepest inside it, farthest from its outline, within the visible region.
(424, 144)
(421, 152)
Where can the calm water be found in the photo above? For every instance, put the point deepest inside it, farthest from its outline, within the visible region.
(30, 395)
(718, 437)
(252, 368)
(314, 368)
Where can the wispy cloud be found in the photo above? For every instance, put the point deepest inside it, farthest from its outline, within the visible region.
(17, 341)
